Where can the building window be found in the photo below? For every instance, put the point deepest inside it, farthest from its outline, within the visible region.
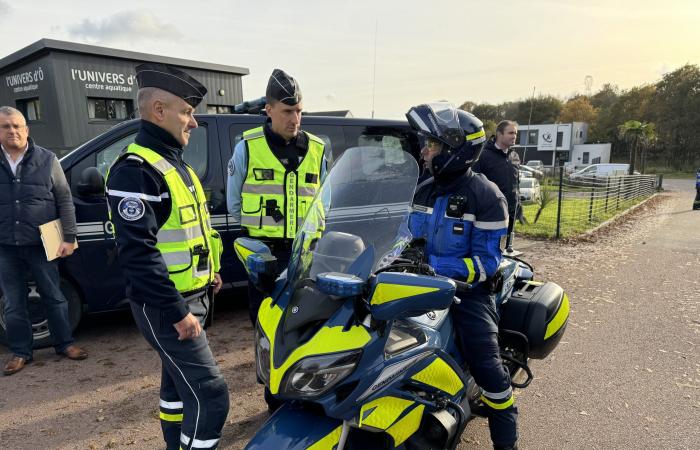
(560, 138)
(586, 155)
(30, 108)
(218, 109)
(109, 108)
(532, 137)
(527, 137)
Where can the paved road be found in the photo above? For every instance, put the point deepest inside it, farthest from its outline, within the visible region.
(627, 373)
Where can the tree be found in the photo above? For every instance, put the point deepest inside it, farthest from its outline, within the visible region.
(486, 111)
(676, 110)
(545, 109)
(639, 135)
(467, 106)
(578, 109)
(605, 97)
(489, 128)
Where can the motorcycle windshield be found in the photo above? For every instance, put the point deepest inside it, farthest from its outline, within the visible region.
(358, 220)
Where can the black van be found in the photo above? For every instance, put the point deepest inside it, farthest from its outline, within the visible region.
(91, 278)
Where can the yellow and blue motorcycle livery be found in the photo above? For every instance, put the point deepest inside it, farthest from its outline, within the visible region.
(356, 336)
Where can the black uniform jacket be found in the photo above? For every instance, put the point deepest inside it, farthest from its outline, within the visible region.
(498, 167)
(147, 280)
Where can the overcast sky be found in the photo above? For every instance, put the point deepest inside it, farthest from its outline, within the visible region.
(452, 50)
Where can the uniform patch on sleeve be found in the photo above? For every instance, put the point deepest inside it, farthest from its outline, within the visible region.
(231, 168)
(131, 208)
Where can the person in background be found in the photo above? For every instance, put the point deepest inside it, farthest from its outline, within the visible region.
(499, 163)
(33, 191)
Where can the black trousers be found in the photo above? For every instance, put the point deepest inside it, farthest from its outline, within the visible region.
(194, 400)
(476, 326)
(696, 203)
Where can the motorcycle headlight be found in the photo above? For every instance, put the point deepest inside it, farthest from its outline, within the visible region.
(262, 356)
(314, 376)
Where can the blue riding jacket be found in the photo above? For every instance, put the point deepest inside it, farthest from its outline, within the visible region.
(464, 221)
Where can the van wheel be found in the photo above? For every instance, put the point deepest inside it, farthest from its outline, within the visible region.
(40, 326)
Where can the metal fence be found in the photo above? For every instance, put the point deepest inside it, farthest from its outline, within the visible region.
(567, 206)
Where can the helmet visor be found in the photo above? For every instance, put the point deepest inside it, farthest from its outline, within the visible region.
(439, 121)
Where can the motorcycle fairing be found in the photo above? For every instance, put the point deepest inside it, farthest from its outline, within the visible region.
(439, 374)
(294, 428)
(398, 417)
(328, 339)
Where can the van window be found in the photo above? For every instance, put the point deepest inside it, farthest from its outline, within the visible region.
(358, 136)
(195, 153)
(106, 156)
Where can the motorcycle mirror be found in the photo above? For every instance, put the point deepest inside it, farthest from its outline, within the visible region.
(245, 247)
(397, 295)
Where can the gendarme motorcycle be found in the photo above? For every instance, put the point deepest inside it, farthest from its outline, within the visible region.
(356, 336)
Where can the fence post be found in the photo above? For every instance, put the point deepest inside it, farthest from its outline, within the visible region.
(561, 193)
(619, 188)
(590, 205)
(607, 192)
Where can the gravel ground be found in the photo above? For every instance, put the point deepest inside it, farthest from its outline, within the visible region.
(626, 374)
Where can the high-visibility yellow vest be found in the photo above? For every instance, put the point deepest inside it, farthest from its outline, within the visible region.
(190, 247)
(274, 200)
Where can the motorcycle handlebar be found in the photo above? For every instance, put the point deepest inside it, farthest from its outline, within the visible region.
(461, 285)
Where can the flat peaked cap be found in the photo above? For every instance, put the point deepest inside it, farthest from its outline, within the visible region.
(170, 79)
(282, 88)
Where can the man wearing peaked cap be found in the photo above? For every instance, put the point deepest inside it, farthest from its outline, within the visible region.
(170, 255)
(273, 175)
(172, 80)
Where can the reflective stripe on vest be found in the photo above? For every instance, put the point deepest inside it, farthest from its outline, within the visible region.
(268, 183)
(185, 234)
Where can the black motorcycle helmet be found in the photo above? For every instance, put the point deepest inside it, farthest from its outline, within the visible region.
(461, 133)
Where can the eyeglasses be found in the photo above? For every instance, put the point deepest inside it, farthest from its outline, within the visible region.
(432, 144)
(8, 126)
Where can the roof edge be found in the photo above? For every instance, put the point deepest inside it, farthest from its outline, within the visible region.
(47, 45)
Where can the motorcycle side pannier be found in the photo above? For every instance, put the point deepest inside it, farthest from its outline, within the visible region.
(539, 311)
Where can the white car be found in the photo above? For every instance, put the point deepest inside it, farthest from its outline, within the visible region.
(536, 164)
(530, 190)
(534, 173)
(601, 170)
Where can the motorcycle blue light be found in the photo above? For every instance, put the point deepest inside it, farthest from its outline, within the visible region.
(255, 263)
(339, 284)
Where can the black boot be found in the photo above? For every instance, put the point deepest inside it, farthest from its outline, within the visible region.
(507, 447)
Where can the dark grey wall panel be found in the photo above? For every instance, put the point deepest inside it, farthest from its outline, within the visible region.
(69, 79)
(34, 79)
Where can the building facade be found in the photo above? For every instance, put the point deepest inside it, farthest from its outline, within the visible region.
(71, 92)
(550, 143)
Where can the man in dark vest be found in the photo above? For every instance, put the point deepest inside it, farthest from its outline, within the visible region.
(33, 191)
(170, 255)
